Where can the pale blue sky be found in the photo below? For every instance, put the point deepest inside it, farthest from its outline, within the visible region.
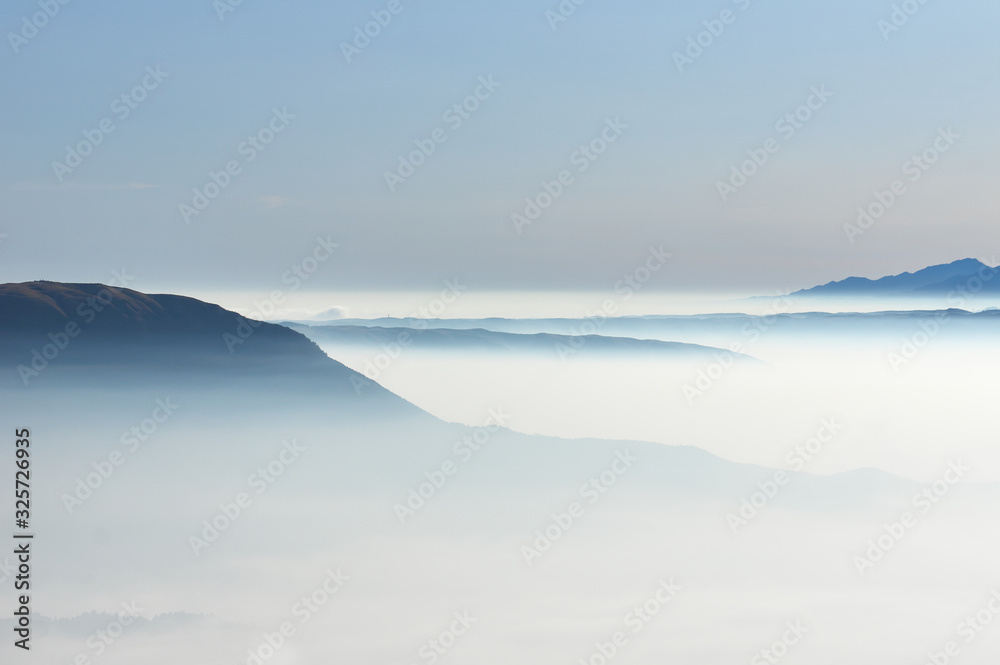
(656, 185)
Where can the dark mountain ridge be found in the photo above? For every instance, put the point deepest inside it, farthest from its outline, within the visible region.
(483, 340)
(56, 335)
(94, 322)
(941, 279)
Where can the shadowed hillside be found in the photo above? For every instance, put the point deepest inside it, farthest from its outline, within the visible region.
(68, 335)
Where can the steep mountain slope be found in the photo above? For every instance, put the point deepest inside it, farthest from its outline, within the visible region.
(55, 335)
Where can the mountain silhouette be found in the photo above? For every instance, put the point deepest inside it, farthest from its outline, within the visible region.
(488, 341)
(54, 334)
(98, 323)
(940, 279)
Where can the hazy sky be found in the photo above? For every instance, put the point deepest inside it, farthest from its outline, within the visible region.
(556, 85)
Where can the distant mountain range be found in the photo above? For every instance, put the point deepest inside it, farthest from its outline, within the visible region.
(128, 348)
(970, 275)
(484, 340)
(106, 354)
